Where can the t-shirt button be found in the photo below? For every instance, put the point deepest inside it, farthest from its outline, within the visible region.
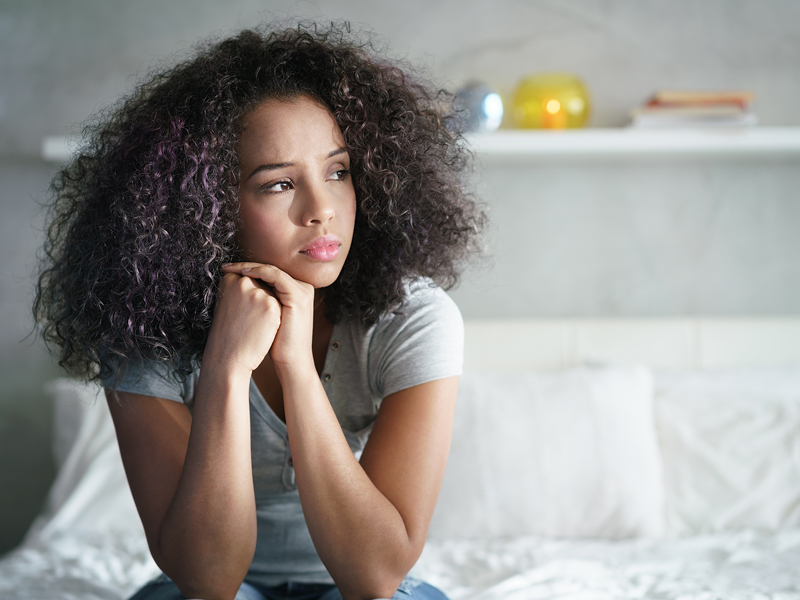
(335, 345)
(327, 376)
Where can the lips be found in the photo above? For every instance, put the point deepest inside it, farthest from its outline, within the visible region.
(323, 248)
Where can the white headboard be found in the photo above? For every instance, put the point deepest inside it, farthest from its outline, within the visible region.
(509, 345)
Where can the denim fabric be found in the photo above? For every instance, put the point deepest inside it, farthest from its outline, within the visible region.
(163, 588)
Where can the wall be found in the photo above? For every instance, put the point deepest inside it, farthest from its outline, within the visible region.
(612, 238)
(638, 237)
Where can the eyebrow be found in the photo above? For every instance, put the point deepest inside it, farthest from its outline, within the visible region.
(274, 166)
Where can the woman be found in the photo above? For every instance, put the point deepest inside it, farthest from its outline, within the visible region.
(247, 255)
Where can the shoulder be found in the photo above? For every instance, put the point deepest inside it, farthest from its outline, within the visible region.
(426, 309)
(423, 296)
(152, 378)
(424, 299)
(419, 341)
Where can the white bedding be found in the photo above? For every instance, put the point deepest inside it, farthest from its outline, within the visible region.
(77, 567)
(88, 544)
(733, 566)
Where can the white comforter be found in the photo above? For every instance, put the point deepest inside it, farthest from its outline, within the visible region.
(740, 566)
(89, 545)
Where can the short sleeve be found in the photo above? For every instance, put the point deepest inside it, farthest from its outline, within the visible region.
(423, 340)
(152, 378)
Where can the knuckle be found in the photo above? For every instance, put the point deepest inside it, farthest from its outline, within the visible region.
(227, 280)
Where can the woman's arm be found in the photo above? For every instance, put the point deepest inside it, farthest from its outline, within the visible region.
(192, 484)
(368, 520)
(191, 476)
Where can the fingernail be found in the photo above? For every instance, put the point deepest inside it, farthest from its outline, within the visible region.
(248, 269)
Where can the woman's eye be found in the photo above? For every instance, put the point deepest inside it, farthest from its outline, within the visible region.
(277, 187)
(340, 175)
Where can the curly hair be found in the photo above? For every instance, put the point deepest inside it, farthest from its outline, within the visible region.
(144, 217)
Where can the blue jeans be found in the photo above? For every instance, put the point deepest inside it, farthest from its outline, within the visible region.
(163, 588)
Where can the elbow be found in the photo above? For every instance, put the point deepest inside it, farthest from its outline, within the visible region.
(208, 584)
(385, 587)
(202, 579)
(209, 590)
(384, 580)
(373, 583)
(378, 573)
(378, 587)
(205, 570)
(387, 590)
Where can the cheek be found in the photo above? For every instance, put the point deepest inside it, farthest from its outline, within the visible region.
(350, 212)
(260, 232)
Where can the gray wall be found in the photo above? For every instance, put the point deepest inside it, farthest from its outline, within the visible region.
(568, 238)
(639, 237)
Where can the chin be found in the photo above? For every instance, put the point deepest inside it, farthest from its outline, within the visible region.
(318, 278)
(323, 283)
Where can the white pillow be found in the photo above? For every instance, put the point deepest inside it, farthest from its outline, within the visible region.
(569, 454)
(730, 444)
(90, 494)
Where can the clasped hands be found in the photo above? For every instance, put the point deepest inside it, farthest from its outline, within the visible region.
(261, 309)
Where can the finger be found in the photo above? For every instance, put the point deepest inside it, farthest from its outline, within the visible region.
(279, 280)
(225, 282)
(231, 279)
(238, 266)
(245, 269)
(259, 284)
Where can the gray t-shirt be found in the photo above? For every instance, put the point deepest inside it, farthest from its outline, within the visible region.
(421, 341)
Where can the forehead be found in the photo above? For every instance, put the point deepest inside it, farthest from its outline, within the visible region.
(288, 130)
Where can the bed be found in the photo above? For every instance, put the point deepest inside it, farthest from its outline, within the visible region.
(591, 459)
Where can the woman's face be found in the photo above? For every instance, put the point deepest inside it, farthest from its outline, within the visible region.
(296, 196)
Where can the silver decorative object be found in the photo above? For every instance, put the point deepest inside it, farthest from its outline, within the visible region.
(479, 108)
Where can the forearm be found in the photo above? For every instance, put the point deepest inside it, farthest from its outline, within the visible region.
(359, 534)
(207, 538)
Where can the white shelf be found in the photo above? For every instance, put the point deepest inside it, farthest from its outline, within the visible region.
(752, 141)
(755, 141)
(59, 148)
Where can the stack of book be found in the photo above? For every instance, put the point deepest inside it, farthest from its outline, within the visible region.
(695, 109)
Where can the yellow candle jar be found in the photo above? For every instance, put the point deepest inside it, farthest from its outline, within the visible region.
(551, 101)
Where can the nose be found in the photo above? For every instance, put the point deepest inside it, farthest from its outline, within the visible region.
(317, 206)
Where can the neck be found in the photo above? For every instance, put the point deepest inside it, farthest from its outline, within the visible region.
(319, 303)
